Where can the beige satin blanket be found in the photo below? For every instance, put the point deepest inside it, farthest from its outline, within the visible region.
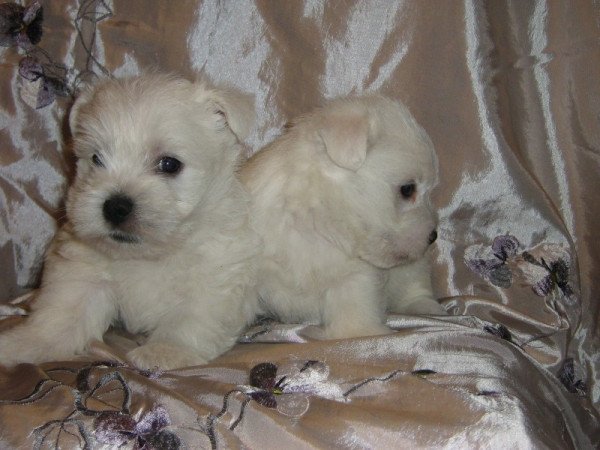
(509, 92)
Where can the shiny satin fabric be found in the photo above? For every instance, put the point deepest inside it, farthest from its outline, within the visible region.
(508, 92)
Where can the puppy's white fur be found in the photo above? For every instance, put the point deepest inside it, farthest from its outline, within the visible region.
(341, 243)
(180, 267)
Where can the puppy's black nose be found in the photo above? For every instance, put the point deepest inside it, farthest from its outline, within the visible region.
(117, 208)
(432, 237)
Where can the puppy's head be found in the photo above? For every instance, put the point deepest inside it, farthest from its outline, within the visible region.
(149, 149)
(383, 167)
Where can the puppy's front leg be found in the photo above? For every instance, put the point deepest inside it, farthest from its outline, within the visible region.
(354, 307)
(183, 341)
(408, 290)
(69, 311)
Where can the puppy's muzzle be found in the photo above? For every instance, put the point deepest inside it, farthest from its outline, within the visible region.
(117, 209)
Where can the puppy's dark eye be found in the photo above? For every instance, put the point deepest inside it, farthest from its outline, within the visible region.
(408, 190)
(169, 165)
(97, 161)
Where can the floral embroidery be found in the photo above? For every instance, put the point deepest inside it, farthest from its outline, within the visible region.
(46, 87)
(491, 264)
(547, 270)
(568, 377)
(150, 432)
(284, 388)
(20, 26)
(545, 267)
(287, 388)
(99, 390)
(43, 80)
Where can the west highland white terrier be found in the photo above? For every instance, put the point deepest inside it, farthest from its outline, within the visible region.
(342, 203)
(158, 232)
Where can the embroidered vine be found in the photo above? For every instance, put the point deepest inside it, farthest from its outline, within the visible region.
(546, 269)
(99, 390)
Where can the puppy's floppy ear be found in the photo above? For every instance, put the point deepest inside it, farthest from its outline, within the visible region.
(232, 108)
(83, 97)
(345, 134)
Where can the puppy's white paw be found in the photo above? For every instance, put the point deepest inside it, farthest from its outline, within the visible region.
(163, 356)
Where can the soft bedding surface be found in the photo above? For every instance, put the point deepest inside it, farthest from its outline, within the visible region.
(508, 92)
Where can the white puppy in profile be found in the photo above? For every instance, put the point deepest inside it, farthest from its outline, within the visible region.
(342, 203)
(157, 235)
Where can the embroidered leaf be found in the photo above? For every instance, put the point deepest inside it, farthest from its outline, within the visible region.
(110, 393)
(499, 330)
(545, 268)
(67, 433)
(543, 287)
(559, 271)
(532, 272)
(501, 276)
(30, 69)
(568, 378)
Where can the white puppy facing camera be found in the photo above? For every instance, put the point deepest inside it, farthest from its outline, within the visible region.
(157, 235)
(341, 201)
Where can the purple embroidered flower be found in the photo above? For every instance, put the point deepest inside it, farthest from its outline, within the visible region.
(546, 268)
(567, 376)
(490, 263)
(505, 247)
(116, 429)
(285, 388)
(43, 88)
(20, 26)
